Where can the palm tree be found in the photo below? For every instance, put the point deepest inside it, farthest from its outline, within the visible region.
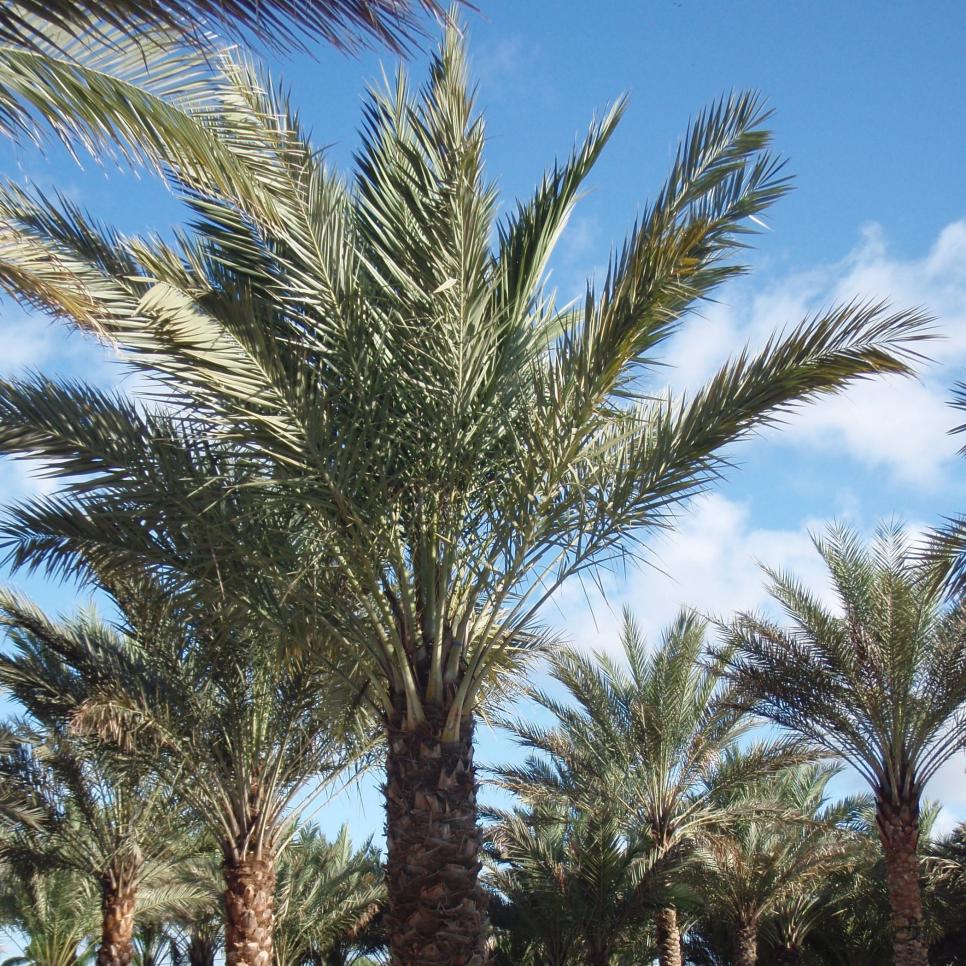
(880, 682)
(454, 445)
(326, 897)
(771, 859)
(101, 818)
(57, 911)
(647, 734)
(214, 711)
(568, 886)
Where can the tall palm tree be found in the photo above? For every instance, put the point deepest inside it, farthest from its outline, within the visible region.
(771, 858)
(455, 444)
(880, 681)
(648, 732)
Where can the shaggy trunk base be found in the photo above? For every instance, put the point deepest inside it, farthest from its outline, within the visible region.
(746, 944)
(668, 937)
(899, 832)
(436, 914)
(249, 902)
(117, 924)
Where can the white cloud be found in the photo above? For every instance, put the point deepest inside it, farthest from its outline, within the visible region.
(710, 562)
(899, 425)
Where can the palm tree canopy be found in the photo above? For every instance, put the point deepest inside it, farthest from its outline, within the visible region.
(281, 23)
(649, 732)
(453, 439)
(327, 895)
(880, 679)
(776, 851)
(569, 884)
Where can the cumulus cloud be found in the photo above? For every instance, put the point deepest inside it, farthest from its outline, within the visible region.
(710, 562)
(897, 425)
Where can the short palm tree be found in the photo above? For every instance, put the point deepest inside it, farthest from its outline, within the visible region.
(54, 912)
(880, 681)
(568, 886)
(388, 356)
(327, 896)
(648, 732)
(101, 817)
(212, 711)
(772, 857)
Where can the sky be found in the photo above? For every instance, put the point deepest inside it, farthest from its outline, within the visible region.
(868, 110)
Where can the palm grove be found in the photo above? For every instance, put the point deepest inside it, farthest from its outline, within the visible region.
(373, 445)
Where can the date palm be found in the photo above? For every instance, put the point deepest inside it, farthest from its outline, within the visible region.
(387, 355)
(54, 912)
(327, 896)
(569, 886)
(880, 680)
(649, 734)
(101, 818)
(770, 860)
(208, 702)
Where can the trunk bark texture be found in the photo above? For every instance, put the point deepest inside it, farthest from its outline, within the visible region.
(249, 908)
(437, 910)
(118, 895)
(899, 832)
(668, 937)
(746, 944)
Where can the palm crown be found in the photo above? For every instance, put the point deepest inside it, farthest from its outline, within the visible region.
(390, 373)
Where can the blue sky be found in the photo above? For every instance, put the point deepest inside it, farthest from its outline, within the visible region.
(868, 110)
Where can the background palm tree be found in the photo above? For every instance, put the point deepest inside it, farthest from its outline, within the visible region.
(101, 816)
(644, 736)
(881, 683)
(449, 438)
(569, 886)
(207, 702)
(328, 895)
(771, 858)
(57, 909)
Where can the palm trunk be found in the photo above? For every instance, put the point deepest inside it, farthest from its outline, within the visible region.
(668, 937)
(746, 943)
(249, 908)
(437, 913)
(118, 897)
(899, 833)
